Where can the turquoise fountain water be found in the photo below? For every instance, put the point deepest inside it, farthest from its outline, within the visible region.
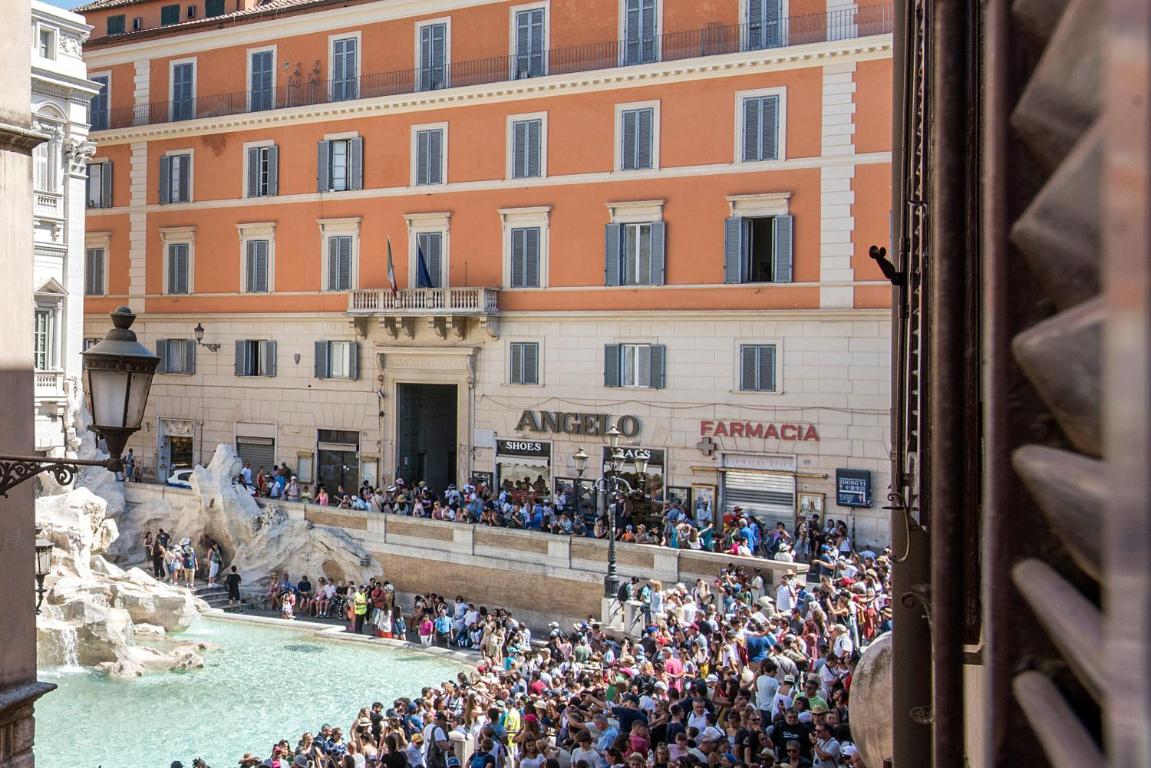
(261, 685)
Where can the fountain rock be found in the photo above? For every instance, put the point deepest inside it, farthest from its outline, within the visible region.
(871, 702)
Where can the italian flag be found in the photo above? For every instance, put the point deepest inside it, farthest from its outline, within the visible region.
(392, 270)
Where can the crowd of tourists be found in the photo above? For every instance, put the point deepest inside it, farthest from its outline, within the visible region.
(528, 507)
(736, 672)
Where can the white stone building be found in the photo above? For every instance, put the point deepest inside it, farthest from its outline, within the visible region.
(60, 96)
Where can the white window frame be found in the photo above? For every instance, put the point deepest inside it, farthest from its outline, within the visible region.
(780, 140)
(509, 148)
(352, 353)
(514, 218)
(784, 13)
(103, 241)
(172, 82)
(191, 153)
(339, 136)
(252, 145)
(176, 236)
(447, 53)
(539, 361)
(621, 36)
(108, 93)
(617, 166)
(512, 11)
(413, 150)
(737, 380)
(624, 346)
(167, 358)
(248, 80)
(54, 41)
(263, 230)
(95, 161)
(330, 228)
(359, 58)
(636, 211)
(50, 303)
(429, 222)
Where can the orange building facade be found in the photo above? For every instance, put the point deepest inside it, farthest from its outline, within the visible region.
(650, 212)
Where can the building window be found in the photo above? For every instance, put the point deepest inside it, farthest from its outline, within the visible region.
(339, 262)
(640, 31)
(525, 362)
(257, 264)
(46, 166)
(345, 68)
(169, 14)
(255, 358)
(94, 271)
(116, 24)
(261, 80)
(178, 270)
(429, 156)
(214, 8)
(527, 148)
(176, 178)
(341, 165)
(757, 367)
(44, 339)
(89, 342)
(337, 360)
(634, 365)
(183, 86)
(262, 171)
(98, 104)
(760, 128)
(635, 253)
(433, 56)
(636, 139)
(429, 259)
(525, 257)
(99, 185)
(758, 249)
(763, 24)
(530, 43)
(46, 43)
(176, 356)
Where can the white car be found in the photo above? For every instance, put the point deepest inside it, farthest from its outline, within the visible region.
(181, 478)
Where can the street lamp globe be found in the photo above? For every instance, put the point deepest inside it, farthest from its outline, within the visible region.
(613, 436)
(43, 566)
(641, 462)
(118, 375)
(580, 459)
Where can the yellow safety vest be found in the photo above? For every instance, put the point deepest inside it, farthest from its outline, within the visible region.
(361, 601)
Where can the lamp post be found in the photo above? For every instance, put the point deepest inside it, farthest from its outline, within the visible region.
(198, 331)
(43, 566)
(117, 377)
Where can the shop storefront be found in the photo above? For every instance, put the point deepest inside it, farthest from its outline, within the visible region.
(256, 445)
(762, 484)
(338, 464)
(523, 468)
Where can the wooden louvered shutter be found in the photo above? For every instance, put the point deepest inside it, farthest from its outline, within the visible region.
(658, 364)
(185, 191)
(323, 167)
(356, 163)
(162, 353)
(532, 257)
(165, 179)
(769, 128)
(645, 138)
(766, 368)
(189, 356)
(782, 249)
(435, 259)
(273, 170)
(241, 361)
(268, 363)
(106, 185)
(629, 136)
(611, 365)
(334, 263)
(772, 24)
(519, 256)
(535, 148)
(657, 254)
(613, 235)
(755, 28)
(530, 363)
(253, 172)
(436, 157)
(752, 129)
(322, 370)
(354, 360)
(515, 374)
(733, 248)
(519, 149)
(748, 367)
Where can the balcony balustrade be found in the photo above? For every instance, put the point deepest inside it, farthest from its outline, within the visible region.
(446, 309)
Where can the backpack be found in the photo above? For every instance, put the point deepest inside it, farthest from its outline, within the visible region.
(622, 594)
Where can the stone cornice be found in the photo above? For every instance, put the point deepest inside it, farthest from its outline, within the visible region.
(727, 65)
(25, 695)
(20, 137)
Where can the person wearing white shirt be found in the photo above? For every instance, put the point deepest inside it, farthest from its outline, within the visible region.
(785, 595)
(765, 687)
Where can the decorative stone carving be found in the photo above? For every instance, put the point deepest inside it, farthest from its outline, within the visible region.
(77, 152)
(71, 44)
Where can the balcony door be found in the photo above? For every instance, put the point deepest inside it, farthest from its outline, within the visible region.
(640, 27)
(530, 53)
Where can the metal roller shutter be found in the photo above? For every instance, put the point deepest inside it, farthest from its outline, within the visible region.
(769, 496)
(257, 451)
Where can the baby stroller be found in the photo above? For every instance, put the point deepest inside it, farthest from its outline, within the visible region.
(336, 606)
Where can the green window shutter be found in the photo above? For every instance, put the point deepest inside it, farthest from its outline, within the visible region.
(169, 14)
(519, 149)
(629, 154)
(241, 363)
(436, 157)
(766, 368)
(532, 257)
(519, 254)
(185, 190)
(253, 171)
(190, 355)
(733, 230)
(322, 360)
(516, 374)
(165, 179)
(612, 241)
(214, 8)
(162, 353)
(273, 160)
(748, 367)
(268, 364)
(354, 360)
(434, 254)
(658, 365)
(657, 255)
(611, 365)
(782, 254)
(531, 363)
(323, 167)
(356, 163)
(645, 138)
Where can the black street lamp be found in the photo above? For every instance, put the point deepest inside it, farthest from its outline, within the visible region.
(117, 376)
(43, 566)
(198, 331)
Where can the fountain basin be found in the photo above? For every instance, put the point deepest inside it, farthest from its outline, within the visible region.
(262, 684)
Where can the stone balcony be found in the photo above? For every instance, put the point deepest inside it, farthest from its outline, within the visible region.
(49, 385)
(447, 310)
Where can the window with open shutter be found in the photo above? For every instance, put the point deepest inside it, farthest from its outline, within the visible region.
(165, 179)
(267, 358)
(433, 57)
(613, 240)
(323, 166)
(530, 54)
(272, 166)
(255, 171)
(657, 366)
(782, 249)
(356, 163)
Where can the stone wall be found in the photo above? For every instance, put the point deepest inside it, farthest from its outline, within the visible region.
(539, 576)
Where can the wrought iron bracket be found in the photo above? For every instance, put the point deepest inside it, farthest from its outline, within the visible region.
(879, 256)
(16, 469)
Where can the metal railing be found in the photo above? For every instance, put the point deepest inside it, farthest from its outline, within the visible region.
(713, 40)
(425, 301)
